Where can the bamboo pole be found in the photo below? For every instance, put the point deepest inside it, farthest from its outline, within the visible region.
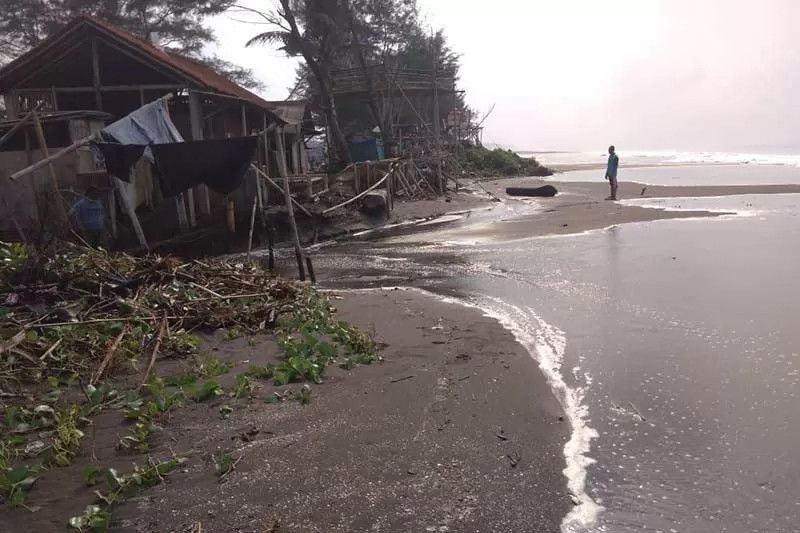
(271, 182)
(252, 226)
(298, 250)
(60, 212)
(19, 124)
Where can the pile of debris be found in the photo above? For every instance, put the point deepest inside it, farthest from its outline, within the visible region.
(80, 312)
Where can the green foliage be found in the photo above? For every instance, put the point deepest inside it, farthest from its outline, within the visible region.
(122, 486)
(261, 372)
(499, 162)
(67, 437)
(212, 367)
(15, 481)
(303, 395)
(243, 387)
(209, 391)
(12, 256)
(93, 519)
(223, 463)
(138, 439)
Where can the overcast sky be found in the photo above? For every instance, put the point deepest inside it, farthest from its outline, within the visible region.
(581, 74)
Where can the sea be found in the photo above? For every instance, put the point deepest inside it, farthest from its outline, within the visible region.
(673, 346)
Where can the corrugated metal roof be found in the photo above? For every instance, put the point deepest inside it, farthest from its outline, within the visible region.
(290, 111)
(200, 75)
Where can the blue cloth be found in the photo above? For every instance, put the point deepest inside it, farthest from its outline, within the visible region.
(90, 213)
(613, 164)
(150, 124)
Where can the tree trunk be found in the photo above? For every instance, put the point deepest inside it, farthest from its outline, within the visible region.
(322, 75)
(372, 103)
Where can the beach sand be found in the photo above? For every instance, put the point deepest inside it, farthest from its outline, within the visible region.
(581, 207)
(457, 431)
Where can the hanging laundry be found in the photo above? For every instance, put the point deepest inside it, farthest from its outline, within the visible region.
(150, 124)
(219, 163)
(120, 158)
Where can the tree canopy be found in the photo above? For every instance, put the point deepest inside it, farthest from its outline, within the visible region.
(179, 25)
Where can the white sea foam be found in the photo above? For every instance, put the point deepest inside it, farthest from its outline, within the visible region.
(547, 344)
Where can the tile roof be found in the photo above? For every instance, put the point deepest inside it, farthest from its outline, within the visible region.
(201, 76)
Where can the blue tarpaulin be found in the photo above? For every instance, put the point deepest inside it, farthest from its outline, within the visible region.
(366, 150)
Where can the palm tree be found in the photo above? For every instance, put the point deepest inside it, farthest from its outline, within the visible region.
(320, 41)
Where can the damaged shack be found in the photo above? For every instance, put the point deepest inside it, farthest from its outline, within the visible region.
(91, 74)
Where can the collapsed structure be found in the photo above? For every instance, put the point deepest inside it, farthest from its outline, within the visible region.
(90, 74)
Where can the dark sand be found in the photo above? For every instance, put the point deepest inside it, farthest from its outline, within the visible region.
(457, 431)
(581, 206)
(370, 454)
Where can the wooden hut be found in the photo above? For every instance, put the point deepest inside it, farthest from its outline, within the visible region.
(91, 73)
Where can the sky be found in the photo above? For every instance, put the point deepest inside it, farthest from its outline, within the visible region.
(699, 75)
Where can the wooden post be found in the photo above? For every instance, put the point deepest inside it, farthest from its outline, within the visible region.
(231, 215)
(60, 212)
(298, 250)
(96, 76)
(180, 207)
(54, 98)
(196, 123)
(131, 211)
(190, 202)
(112, 212)
(12, 105)
(244, 121)
(252, 226)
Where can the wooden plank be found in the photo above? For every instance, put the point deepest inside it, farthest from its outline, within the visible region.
(112, 212)
(196, 124)
(96, 75)
(180, 208)
(104, 88)
(12, 104)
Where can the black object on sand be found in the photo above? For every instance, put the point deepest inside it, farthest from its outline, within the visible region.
(546, 191)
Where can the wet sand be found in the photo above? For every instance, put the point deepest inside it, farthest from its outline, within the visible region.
(456, 431)
(581, 207)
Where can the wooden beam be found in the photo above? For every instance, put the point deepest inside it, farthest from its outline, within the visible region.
(104, 88)
(19, 124)
(196, 124)
(12, 104)
(96, 75)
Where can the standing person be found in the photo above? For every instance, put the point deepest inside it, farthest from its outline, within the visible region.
(611, 171)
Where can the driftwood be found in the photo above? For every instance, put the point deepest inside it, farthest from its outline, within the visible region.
(359, 196)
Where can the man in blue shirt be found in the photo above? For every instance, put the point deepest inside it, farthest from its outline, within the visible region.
(611, 172)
